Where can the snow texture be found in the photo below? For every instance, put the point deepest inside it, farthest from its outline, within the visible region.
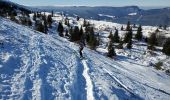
(47, 67)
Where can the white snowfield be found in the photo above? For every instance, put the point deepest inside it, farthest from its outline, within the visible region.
(35, 66)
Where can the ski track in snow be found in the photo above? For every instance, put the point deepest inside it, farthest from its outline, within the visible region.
(89, 85)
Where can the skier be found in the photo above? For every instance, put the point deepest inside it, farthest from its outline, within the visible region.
(82, 44)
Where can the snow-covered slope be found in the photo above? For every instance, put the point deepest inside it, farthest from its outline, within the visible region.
(46, 67)
(36, 66)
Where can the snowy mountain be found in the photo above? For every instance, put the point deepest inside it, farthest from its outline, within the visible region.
(45, 66)
(38, 66)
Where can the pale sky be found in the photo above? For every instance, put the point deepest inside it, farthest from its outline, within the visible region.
(94, 2)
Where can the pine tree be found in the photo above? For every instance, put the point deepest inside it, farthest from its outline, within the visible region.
(129, 45)
(138, 35)
(160, 26)
(120, 46)
(49, 20)
(23, 21)
(81, 32)
(45, 24)
(165, 27)
(128, 28)
(38, 15)
(157, 30)
(75, 34)
(52, 13)
(92, 42)
(166, 47)
(12, 18)
(134, 25)
(116, 37)
(70, 33)
(34, 17)
(122, 28)
(66, 21)
(78, 18)
(87, 33)
(84, 23)
(60, 29)
(111, 50)
(110, 36)
(152, 41)
(128, 36)
(29, 22)
(40, 27)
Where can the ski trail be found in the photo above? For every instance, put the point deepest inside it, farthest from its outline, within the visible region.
(89, 85)
(122, 85)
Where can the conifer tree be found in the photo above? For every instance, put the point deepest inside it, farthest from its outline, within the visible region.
(12, 18)
(116, 37)
(160, 26)
(138, 35)
(166, 47)
(110, 36)
(87, 33)
(29, 22)
(75, 34)
(120, 46)
(157, 30)
(60, 29)
(78, 18)
(92, 39)
(84, 23)
(122, 28)
(23, 21)
(111, 50)
(49, 20)
(34, 17)
(66, 21)
(128, 28)
(52, 13)
(81, 32)
(134, 25)
(45, 24)
(70, 33)
(129, 45)
(128, 36)
(152, 41)
(165, 27)
(40, 27)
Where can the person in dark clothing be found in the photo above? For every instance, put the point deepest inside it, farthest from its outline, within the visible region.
(82, 44)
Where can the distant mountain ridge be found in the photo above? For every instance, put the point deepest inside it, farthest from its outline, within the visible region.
(153, 17)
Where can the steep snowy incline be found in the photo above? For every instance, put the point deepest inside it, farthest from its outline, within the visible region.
(37, 66)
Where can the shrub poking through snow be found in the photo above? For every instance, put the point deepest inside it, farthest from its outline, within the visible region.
(158, 65)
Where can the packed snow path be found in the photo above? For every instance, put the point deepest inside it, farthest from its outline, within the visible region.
(89, 85)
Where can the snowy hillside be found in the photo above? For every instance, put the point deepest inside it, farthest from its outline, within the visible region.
(46, 67)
